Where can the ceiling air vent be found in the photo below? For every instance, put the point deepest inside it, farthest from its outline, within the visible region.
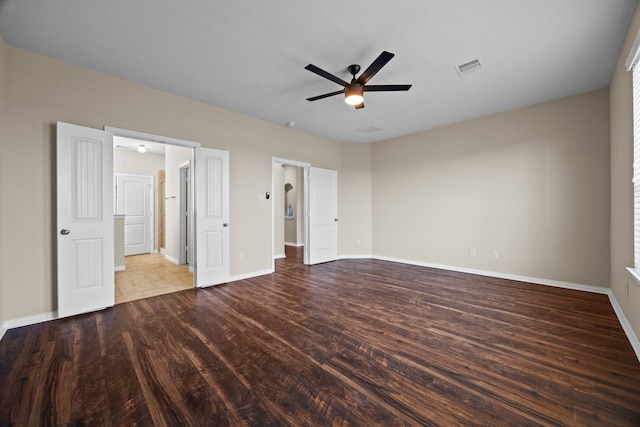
(468, 67)
(370, 129)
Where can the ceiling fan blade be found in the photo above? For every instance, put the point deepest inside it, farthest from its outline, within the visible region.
(385, 88)
(325, 74)
(359, 106)
(326, 95)
(375, 66)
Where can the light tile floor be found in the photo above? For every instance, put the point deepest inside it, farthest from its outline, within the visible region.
(149, 275)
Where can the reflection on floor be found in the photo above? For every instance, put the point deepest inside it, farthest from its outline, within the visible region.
(149, 275)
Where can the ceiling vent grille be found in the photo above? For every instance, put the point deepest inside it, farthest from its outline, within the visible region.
(370, 129)
(468, 67)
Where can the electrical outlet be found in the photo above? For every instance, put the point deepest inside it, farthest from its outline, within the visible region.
(627, 288)
(472, 251)
(494, 254)
(241, 256)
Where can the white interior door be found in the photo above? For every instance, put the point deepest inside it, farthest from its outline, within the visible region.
(323, 215)
(133, 200)
(85, 219)
(211, 216)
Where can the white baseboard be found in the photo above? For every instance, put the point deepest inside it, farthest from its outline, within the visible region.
(26, 321)
(293, 244)
(518, 278)
(626, 326)
(278, 256)
(357, 257)
(250, 275)
(172, 259)
(119, 268)
(190, 269)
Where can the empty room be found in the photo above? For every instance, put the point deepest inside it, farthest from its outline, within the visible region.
(364, 213)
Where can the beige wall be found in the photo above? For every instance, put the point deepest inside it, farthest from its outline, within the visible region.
(355, 208)
(41, 91)
(134, 163)
(532, 184)
(174, 157)
(3, 202)
(621, 111)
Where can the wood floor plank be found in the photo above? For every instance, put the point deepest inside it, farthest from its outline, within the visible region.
(347, 343)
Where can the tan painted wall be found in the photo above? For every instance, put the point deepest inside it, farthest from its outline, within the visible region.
(134, 163)
(621, 101)
(532, 184)
(354, 187)
(174, 157)
(41, 91)
(3, 204)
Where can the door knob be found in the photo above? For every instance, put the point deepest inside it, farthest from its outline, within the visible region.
(226, 224)
(335, 220)
(64, 232)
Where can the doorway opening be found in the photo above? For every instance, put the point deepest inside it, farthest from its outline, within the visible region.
(185, 213)
(289, 190)
(165, 266)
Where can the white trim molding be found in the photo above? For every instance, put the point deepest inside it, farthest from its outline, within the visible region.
(518, 278)
(626, 326)
(634, 53)
(28, 320)
(119, 268)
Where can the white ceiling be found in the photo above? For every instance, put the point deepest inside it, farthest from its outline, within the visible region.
(249, 56)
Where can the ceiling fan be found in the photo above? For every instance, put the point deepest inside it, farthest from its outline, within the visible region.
(354, 91)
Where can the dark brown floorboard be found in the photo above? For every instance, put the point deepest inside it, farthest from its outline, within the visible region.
(351, 342)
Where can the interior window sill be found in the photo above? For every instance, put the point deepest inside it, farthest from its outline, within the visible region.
(635, 273)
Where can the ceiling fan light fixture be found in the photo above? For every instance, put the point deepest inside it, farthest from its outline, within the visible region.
(353, 94)
(142, 149)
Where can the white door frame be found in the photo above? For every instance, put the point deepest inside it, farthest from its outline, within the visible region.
(185, 203)
(159, 139)
(305, 166)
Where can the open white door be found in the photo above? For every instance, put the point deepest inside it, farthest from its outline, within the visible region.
(85, 219)
(323, 215)
(133, 200)
(211, 216)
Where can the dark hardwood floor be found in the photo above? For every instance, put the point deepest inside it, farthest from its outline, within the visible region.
(351, 342)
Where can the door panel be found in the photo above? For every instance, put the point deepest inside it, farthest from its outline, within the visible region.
(133, 200)
(212, 216)
(85, 219)
(323, 215)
